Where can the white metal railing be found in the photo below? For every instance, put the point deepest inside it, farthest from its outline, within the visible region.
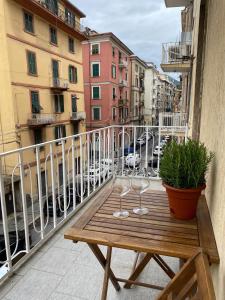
(79, 115)
(173, 53)
(172, 119)
(47, 188)
(41, 119)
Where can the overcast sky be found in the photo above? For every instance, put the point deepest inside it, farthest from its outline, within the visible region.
(143, 25)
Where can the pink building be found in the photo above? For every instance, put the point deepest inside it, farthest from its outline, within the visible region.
(107, 80)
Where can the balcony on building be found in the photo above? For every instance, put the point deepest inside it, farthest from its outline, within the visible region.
(142, 75)
(142, 89)
(41, 119)
(178, 3)
(123, 84)
(59, 84)
(123, 64)
(176, 57)
(122, 102)
(52, 11)
(78, 116)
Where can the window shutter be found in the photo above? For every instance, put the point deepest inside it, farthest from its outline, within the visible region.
(64, 131)
(35, 103)
(74, 104)
(96, 94)
(56, 103)
(95, 70)
(56, 132)
(75, 73)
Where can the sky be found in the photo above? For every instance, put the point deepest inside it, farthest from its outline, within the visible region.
(143, 25)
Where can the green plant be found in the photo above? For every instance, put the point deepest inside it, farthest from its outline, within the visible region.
(185, 165)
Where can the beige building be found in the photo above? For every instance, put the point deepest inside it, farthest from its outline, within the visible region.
(41, 75)
(138, 68)
(207, 110)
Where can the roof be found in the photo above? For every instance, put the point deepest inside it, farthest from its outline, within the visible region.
(114, 38)
(74, 8)
(135, 57)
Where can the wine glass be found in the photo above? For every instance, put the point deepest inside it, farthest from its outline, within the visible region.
(140, 185)
(121, 188)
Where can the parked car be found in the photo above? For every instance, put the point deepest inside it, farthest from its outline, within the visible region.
(158, 151)
(132, 160)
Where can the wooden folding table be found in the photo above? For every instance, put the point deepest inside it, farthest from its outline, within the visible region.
(154, 234)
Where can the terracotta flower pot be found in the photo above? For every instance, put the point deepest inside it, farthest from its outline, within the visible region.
(183, 202)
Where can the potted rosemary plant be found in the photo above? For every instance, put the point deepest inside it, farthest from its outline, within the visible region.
(183, 169)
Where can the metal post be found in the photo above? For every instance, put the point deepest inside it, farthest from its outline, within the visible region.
(53, 185)
(40, 190)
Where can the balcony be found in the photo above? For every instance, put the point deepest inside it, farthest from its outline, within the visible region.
(123, 84)
(142, 89)
(123, 64)
(48, 11)
(142, 75)
(178, 3)
(60, 84)
(38, 120)
(176, 57)
(122, 102)
(78, 116)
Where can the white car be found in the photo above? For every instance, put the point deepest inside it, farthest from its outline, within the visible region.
(132, 160)
(158, 151)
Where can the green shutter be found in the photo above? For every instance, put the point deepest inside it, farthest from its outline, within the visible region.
(95, 70)
(31, 58)
(96, 111)
(28, 22)
(35, 102)
(55, 69)
(56, 103)
(74, 103)
(75, 75)
(96, 92)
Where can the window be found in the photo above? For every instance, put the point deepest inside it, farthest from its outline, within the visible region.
(52, 5)
(120, 56)
(96, 113)
(31, 63)
(95, 69)
(74, 103)
(114, 113)
(38, 136)
(53, 35)
(113, 51)
(71, 45)
(75, 128)
(28, 22)
(70, 17)
(59, 103)
(136, 68)
(72, 74)
(114, 93)
(36, 108)
(96, 92)
(113, 71)
(126, 76)
(60, 132)
(95, 49)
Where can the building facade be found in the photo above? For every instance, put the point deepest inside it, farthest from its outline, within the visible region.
(137, 107)
(107, 79)
(41, 76)
(205, 92)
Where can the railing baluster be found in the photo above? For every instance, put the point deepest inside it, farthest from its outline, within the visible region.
(99, 158)
(40, 190)
(108, 149)
(146, 150)
(4, 217)
(64, 179)
(53, 185)
(123, 132)
(159, 140)
(88, 162)
(24, 202)
(81, 172)
(73, 172)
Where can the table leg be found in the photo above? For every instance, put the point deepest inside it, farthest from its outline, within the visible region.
(163, 265)
(97, 252)
(139, 269)
(106, 276)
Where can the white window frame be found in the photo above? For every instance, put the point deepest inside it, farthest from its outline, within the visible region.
(92, 92)
(99, 48)
(100, 113)
(115, 71)
(95, 63)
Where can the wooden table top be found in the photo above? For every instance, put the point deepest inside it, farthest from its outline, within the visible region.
(157, 232)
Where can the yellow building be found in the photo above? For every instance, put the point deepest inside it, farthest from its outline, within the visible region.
(41, 75)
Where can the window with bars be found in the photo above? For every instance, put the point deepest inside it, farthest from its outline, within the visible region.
(28, 22)
(53, 35)
(114, 71)
(95, 49)
(59, 103)
(35, 102)
(96, 113)
(72, 74)
(95, 69)
(96, 92)
(31, 63)
(71, 44)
